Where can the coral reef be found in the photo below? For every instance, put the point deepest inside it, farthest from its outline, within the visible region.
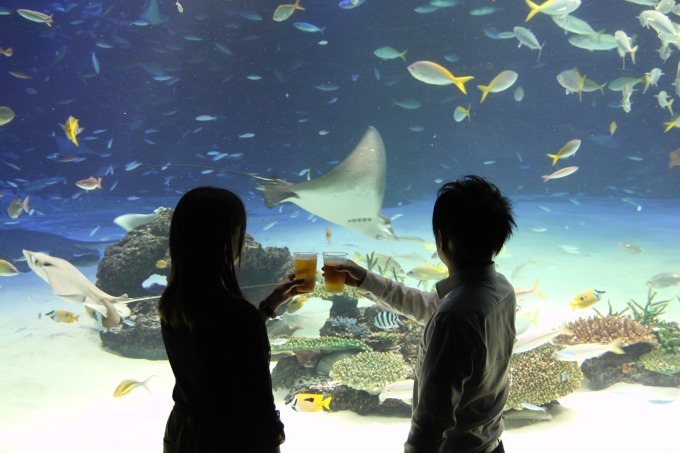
(660, 361)
(607, 329)
(369, 371)
(668, 334)
(129, 262)
(651, 311)
(140, 341)
(536, 378)
(322, 344)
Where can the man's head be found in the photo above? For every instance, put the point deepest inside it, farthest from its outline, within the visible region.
(471, 221)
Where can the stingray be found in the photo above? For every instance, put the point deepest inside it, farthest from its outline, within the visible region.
(71, 285)
(152, 15)
(81, 253)
(350, 195)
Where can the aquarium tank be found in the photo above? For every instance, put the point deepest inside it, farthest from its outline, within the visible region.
(336, 123)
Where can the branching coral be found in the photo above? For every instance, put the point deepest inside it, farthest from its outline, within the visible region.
(369, 371)
(607, 329)
(536, 378)
(323, 344)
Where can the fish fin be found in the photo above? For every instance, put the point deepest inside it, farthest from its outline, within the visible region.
(615, 346)
(535, 9)
(276, 192)
(403, 55)
(485, 91)
(326, 404)
(554, 157)
(460, 82)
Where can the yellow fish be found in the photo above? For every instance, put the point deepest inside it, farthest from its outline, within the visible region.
(62, 316)
(283, 12)
(72, 130)
(428, 272)
(297, 303)
(7, 269)
(568, 150)
(586, 299)
(128, 385)
(612, 128)
(17, 207)
(161, 264)
(310, 402)
(671, 124)
(435, 74)
(460, 113)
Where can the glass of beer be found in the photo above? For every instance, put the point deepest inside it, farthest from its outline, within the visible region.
(335, 281)
(305, 267)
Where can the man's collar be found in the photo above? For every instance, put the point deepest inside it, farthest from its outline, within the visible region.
(462, 276)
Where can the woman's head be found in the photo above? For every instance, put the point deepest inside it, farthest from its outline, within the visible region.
(207, 234)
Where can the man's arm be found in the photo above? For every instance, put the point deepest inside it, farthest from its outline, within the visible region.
(447, 365)
(410, 302)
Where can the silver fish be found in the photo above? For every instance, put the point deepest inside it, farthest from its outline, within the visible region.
(664, 280)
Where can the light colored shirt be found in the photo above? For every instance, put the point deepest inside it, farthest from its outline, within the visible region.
(461, 383)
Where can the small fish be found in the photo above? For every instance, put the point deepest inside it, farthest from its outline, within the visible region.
(7, 269)
(20, 75)
(582, 352)
(308, 28)
(552, 8)
(664, 280)
(460, 113)
(389, 53)
(535, 338)
(586, 299)
(283, 12)
(310, 402)
(8, 52)
(296, 303)
(400, 390)
(247, 135)
(386, 320)
(62, 316)
(568, 150)
(435, 74)
(90, 183)
(270, 225)
(95, 63)
(501, 82)
(633, 249)
(128, 385)
(205, 118)
(72, 129)
(180, 8)
(534, 290)
(17, 207)
(674, 158)
(328, 235)
(36, 16)
(561, 173)
(426, 272)
(612, 128)
(161, 264)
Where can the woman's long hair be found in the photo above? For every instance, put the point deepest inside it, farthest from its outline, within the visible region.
(207, 234)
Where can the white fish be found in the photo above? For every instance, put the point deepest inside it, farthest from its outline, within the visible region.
(582, 352)
(132, 165)
(535, 338)
(95, 63)
(526, 37)
(552, 7)
(501, 82)
(561, 173)
(573, 24)
(205, 118)
(269, 225)
(598, 41)
(389, 53)
(400, 390)
(624, 43)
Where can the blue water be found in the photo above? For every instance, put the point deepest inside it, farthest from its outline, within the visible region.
(288, 103)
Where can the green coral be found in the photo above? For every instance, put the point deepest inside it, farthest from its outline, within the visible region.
(323, 344)
(651, 311)
(369, 371)
(661, 361)
(668, 334)
(535, 377)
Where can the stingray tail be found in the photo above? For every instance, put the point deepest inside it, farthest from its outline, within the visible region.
(275, 192)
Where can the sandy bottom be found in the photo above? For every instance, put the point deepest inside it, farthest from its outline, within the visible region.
(56, 384)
